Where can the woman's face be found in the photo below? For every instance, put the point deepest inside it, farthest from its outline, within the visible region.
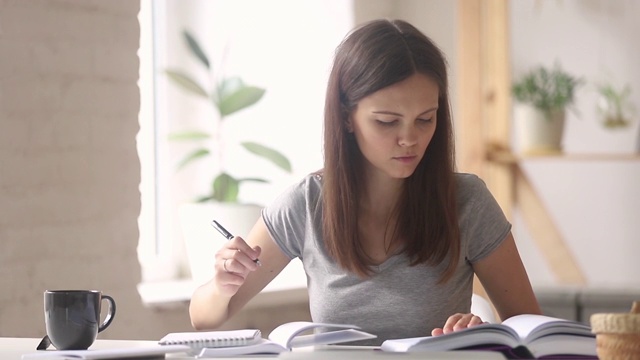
(394, 126)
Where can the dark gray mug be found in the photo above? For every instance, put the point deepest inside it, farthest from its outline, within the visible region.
(72, 317)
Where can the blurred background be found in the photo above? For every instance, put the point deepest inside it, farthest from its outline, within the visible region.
(90, 193)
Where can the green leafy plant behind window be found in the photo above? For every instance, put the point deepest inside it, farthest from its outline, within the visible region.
(227, 96)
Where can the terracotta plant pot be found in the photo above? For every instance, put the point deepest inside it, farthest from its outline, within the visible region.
(618, 334)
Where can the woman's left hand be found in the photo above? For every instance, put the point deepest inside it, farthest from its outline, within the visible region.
(457, 322)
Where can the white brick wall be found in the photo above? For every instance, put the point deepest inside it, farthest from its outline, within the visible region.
(69, 171)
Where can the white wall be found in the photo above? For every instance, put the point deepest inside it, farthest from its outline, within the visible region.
(596, 204)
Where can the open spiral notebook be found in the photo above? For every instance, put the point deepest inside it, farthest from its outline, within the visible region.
(250, 341)
(213, 339)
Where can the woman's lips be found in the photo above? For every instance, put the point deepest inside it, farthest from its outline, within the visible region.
(405, 159)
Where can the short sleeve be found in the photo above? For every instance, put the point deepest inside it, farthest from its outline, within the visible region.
(483, 225)
(286, 217)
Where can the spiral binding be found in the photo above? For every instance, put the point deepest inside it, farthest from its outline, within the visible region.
(206, 341)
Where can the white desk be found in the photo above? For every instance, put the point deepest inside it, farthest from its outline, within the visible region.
(13, 348)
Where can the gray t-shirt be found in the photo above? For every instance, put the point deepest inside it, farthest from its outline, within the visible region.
(398, 300)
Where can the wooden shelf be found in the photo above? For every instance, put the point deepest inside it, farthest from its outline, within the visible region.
(507, 157)
(543, 228)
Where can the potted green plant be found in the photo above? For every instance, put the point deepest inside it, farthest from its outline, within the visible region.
(227, 96)
(543, 96)
(614, 106)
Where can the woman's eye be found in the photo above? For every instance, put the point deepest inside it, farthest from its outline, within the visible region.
(386, 123)
(425, 120)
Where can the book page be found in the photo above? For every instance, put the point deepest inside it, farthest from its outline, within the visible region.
(330, 337)
(264, 346)
(287, 336)
(524, 324)
(582, 346)
(530, 326)
(284, 333)
(474, 336)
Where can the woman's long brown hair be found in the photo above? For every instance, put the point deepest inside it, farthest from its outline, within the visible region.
(375, 55)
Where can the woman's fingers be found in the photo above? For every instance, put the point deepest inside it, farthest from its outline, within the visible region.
(239, 244)
(238, 261)
(234, 262)
(465, 321)
(457, 322)
(476, 320)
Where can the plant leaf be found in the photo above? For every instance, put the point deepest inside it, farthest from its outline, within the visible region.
(253, 180)
(270, 154)
(197, 154)
(202, 199)
(189, 135)
(547, 89)
(229, 85)
(195, 48)
(243, 97)
(186, 82)
(225, 188)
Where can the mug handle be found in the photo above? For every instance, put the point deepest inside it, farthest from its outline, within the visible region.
(110, 315)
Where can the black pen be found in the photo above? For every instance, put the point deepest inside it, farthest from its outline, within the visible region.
(228, 235)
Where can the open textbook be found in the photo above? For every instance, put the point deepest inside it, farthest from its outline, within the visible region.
(283, 338)
(521, 336)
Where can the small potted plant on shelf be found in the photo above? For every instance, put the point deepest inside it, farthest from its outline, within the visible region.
(227, 96)
(543, 96)
(614, 106)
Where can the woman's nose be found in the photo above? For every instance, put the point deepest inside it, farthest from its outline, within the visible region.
(407, 136)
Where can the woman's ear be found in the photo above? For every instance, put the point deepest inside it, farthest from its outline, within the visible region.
(349, 124)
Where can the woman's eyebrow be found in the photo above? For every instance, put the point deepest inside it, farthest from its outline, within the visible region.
(385, 112)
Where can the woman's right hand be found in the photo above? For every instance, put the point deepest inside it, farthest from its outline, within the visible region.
(234, 262)
(231, 286)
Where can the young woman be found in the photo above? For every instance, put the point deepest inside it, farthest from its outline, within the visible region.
(389, 234)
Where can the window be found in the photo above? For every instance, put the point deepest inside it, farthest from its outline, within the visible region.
(284, 46)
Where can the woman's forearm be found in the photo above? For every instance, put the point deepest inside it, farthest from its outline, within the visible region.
(208, 308)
